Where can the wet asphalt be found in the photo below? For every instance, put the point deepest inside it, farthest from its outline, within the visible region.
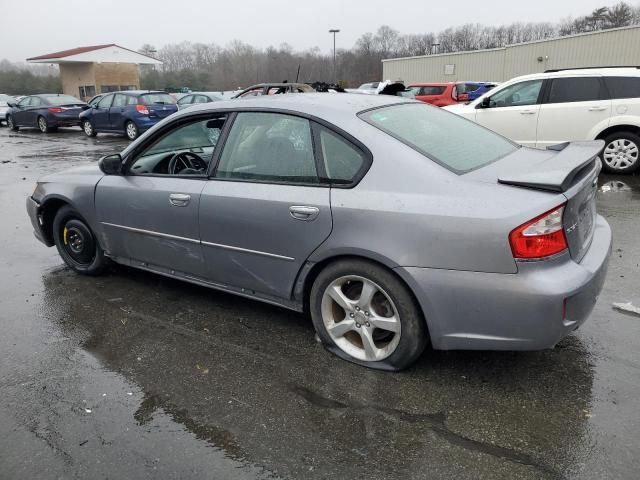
(132, 375)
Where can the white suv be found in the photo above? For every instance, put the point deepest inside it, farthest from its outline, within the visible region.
(567, 105)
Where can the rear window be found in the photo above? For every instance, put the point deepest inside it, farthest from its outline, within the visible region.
(62, 99)
(455, 143)
(623, 87)
(433, 90)
(156, 98)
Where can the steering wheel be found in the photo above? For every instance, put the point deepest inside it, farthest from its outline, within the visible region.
(186, 163)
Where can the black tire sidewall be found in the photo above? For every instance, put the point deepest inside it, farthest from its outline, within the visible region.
(97, 265)
(11, 125)
(414, 335)
(617, 136)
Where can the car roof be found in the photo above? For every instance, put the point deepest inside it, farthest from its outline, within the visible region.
(582, 72)
(134, 92)
(211, 94)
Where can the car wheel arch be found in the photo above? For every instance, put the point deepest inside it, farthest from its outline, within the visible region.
(310, 271)
(49, 208)
(624, 127)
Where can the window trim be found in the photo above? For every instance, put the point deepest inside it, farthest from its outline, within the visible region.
(130, 153)
(131, 157)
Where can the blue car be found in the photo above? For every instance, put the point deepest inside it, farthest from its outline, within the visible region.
(46, 112)
(130, 112)
(483, 87)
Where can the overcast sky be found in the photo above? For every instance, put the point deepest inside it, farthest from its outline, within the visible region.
(37, 27)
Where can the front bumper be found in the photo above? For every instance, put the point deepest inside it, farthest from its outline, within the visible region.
(522, 311)
(33, 209)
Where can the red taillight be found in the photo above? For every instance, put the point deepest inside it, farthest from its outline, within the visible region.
(539, 238)
(56, 109)
(142, 109)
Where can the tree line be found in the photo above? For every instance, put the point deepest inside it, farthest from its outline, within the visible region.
(213, 67)
(210, 66)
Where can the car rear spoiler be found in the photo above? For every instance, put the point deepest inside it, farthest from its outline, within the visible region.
(557, 172)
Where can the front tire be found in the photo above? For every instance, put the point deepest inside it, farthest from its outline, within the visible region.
(364, 314)
(88, 129)
(621, 153)
(131, 130)
(76, 243)
(11, 124)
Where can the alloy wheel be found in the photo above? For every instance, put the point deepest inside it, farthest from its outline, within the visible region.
(10, 123)
(42, 124)
(361, 318)
(88, 129)
(132, 131)
(620, 154)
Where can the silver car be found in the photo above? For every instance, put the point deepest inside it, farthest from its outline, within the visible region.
(394, 224)
(4, 106)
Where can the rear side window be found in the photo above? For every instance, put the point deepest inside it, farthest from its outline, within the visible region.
(432, 90)
(578, 89)
(156, 99)
(623, 87)
(455, 143)
(342, 161)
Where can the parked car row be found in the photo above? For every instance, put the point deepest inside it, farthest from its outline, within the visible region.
(546, 109)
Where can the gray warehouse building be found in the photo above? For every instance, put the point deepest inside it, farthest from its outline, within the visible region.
(619, 46)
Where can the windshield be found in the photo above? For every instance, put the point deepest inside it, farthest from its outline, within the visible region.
(62, 99)
(157, 98)
(452, 141)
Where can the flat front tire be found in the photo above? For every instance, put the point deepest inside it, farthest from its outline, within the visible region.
(364, 314)
(76, 243)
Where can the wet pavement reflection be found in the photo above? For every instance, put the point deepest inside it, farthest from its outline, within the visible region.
(132, 375)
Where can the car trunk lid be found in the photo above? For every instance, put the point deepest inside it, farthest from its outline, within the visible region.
(570, 169)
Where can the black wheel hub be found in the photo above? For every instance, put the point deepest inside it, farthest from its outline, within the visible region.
(78, 242)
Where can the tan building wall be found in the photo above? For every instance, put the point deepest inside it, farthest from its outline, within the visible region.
(619, 46)
(98, 77)
(119, 75)
(75, 75)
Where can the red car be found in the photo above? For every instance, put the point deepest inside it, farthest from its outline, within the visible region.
(440, 94)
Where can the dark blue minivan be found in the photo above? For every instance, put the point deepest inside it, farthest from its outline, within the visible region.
(130, 112)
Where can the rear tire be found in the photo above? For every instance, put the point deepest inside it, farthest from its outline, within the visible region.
(88, 129)
(383, 329)
(43, 125)
(621, 153)
(76, 243)
(131, 130)
(12, 125)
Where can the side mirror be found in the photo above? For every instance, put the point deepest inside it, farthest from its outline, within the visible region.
(486, 103)
(94, 105)
(111, 164)
(85, 107)
(11, 104)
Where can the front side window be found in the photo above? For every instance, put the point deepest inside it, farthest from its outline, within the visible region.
(623, 87)
(185, 100)
(269, 147)
(577, 89)
(105, 102)
(35, 102)
(342, 160)
(436, 134)
(186, 150)
(517, 95)
(25, 102)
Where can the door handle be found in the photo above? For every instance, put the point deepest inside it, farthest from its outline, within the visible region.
(528, 112)
(302, 212)
(179, 199)
(597, 109)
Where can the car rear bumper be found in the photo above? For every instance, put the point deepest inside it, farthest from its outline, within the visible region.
(522, 311)
(33, 209)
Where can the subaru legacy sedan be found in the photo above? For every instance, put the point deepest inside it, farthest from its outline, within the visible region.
(130, 112)
(365, 212)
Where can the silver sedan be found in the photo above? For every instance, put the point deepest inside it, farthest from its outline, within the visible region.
(392, 223)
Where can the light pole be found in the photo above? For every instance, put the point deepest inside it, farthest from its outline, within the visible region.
(335, 73)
